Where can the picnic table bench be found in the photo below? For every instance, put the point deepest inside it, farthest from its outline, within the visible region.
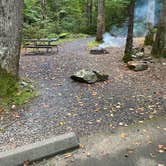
(37, 44)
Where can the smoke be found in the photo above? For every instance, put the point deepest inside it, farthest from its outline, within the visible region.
(112, 41)
(145, 12)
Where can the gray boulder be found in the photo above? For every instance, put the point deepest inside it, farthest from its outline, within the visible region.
(89, 76)
(137, 65)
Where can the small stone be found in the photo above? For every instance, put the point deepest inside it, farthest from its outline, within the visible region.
(120, 124)
(24, 84)
(88, 154)
(13, 107)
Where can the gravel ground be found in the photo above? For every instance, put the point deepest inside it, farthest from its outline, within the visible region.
(63, 105)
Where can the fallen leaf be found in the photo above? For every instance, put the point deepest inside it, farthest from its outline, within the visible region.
(82, 146)
(68, 155)
(118, 106)
(88, 154)
(123, 135)
(152, 155)
(98, 121)
(94, 93)
(160, 164)
(161, 151)
(161, 146)
(62, 123)
(137, 143)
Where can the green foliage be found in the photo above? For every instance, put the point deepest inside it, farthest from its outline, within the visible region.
(116, 13)
(55, 17)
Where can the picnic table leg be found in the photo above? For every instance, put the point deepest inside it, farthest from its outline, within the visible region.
(48, 45)
(57, 49)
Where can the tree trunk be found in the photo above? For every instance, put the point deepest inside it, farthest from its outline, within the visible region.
(43, 9)
(159, 46)
(100, 20)
(11, 17)
(89, 7)
(129, 40)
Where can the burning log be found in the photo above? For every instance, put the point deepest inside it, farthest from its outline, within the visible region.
(98, 50)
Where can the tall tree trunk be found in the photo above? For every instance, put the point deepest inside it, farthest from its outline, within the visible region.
(89, 7)
(43, 9)
(11, 17)
(100, 20)
(129, 40)
(159, 46)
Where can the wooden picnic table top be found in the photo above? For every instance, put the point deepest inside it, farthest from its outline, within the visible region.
(41, 40)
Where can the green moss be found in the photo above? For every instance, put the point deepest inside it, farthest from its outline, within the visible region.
(127, 58)
(8, 83)
(12, 92)
(23, 97)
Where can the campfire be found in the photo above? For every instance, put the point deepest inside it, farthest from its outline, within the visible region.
(98, 50)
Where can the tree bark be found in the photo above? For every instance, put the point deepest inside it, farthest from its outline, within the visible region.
(11, 18)
(129, 40)
(89, 7)
(100, 20)
(159, 46)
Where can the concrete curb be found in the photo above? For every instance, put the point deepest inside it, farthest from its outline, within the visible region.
(39, 150)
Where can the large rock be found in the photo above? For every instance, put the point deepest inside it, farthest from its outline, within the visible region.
(89, 76)
(137, 65)
(98, 50)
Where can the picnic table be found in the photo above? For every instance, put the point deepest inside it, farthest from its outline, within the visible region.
(37, 44)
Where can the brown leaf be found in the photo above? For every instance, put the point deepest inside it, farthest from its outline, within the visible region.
(67, 155)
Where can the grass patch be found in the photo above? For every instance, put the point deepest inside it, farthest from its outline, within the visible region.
(66, 37)
(24, 93)
(14, 91)
(94, 43)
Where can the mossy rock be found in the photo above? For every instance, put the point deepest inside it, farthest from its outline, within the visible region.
(89, 76)
(127, 58)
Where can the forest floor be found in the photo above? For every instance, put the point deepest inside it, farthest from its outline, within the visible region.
(63, 105)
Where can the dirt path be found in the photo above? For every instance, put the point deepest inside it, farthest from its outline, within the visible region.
(64, 105)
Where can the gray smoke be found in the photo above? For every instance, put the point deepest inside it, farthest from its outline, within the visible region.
(146, 11)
